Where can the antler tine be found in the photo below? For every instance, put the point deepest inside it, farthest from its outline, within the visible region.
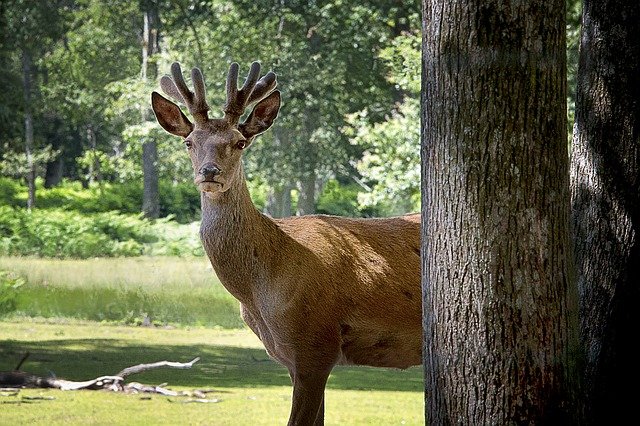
(169, 87)
(264, 86)
(237, 100)
(178, 80)
(178, 89)
(252, 78)
(200, 101)
(232, 86)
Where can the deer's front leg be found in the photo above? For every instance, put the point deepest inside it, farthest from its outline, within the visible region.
(307, 407)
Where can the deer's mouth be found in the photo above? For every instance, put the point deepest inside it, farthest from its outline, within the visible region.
(210, 186)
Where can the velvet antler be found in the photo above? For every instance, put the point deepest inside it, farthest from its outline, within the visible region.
(253, 90)
(177, 89)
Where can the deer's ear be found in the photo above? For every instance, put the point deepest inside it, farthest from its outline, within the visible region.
(262, 116)
(170, 116)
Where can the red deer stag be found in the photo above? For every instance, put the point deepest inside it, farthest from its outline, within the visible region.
(317, 290)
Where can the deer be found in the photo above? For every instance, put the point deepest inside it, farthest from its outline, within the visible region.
(317, 290)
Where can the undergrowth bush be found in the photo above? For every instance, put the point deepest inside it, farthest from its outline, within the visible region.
(9, 287)
(178, 200)
(69, 234)
(9, 191)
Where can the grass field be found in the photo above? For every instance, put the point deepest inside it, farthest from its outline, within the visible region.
(168, 290)
(252, 389)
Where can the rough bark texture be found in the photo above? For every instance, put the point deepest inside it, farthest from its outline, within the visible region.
(499, 301)
(605, 183)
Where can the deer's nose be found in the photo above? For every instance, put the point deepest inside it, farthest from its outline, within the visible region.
(209, 171)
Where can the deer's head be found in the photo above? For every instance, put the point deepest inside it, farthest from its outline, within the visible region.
(216, 145)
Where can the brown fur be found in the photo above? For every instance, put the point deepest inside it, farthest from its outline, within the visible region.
(318, 290)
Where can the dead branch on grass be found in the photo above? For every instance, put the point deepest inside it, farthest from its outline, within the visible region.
(20, 379)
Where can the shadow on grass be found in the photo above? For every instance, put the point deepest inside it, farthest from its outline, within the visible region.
(219, 366)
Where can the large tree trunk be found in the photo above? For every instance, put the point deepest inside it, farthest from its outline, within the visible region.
(500, 317)
(605, 183)
(150, 196)
(27, 83)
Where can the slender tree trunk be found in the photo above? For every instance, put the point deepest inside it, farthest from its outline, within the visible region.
(151, 197)
(279, 198)
(500, 317)
(605, 183)
(274, 202)
(54, 169)
(94, 167)
(307, 194)
(27, 83)
(286, 200)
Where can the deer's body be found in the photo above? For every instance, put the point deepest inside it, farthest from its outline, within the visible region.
(317, 290)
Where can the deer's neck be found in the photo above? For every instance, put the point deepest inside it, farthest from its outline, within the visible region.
(237, 238)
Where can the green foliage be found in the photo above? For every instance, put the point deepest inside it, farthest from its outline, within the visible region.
(91, 106)
(68, 234)
(9, 191)
(17, 164)
(58, 233)
(340, 200)
(180, 201)
(10, 285)
(390, 161)
(574, 15)
(403, 60)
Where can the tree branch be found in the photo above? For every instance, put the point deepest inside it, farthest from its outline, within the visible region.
(144, 367)
(20, 379)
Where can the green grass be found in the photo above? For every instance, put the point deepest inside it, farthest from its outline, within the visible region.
(168, 290)
(253, 389)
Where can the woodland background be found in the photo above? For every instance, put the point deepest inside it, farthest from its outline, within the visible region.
(74, 108)
(87, 174)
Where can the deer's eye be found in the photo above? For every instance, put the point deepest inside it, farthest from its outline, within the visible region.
(188, 144)
(241, 144)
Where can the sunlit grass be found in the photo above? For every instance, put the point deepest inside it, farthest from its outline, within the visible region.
(252, 389)
(163, 289)
(150, 273)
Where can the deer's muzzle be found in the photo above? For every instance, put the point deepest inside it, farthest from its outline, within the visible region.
(208, 173)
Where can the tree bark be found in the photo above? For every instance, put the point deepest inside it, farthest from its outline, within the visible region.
(54, 172)
(286, 200)
(150, 196)
(274, 202)
(307, 194)
(95, 174)
(27, 83)
(500, 317)
(279, 201)
(605, 184)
